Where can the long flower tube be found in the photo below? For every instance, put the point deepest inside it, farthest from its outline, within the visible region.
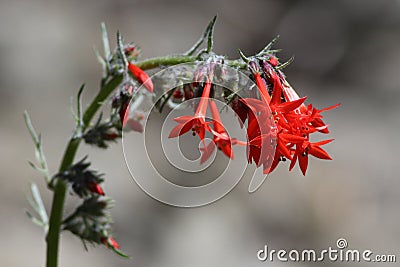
(221, 139)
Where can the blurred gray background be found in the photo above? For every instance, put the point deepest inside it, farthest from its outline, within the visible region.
(345, 51)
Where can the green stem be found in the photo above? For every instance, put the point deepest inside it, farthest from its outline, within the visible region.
(174, 60)
(60, 190)
(164, 61)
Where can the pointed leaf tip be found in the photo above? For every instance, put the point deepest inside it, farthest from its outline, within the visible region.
(242, 56)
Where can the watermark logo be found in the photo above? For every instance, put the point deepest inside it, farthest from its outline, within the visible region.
(340, 253)
(172, 170)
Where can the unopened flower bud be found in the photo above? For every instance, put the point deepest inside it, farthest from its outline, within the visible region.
(95, 188)
(177, 94)
(273, 61)
(141, 76)
(254, 68)
(110, 242)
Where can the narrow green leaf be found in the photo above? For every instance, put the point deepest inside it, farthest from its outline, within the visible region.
(38, 200)
(106, 43)
(34, 219)
(84, 245)
(121, 50)
(36, 168)
(200, 41)
(79, 105)
(274, 51)
(284, 65)
(38, 148)
(32, 203)
(120, 253)
(101, 60)
(30, 127)
(242, 56)
(267, 48)
(36, 203)
(71, 109)
(210, 41)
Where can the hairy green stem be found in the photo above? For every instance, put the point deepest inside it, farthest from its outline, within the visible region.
(164, 61)
(60, 189)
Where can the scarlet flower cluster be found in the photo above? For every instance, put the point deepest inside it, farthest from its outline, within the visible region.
(292, 121)
(279, 124)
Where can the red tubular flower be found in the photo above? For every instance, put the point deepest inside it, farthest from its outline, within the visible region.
(257, 139)
(306, 120)
(141, 76)
(110, 242)
(253, 132)
(221, 138)
(301, 153)
(124, 113)
(95, 188)
(262, 87)
(241, 110)
(197, 122)
(283, 151)
(294, 122)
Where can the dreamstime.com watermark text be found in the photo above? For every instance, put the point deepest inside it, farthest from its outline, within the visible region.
(338, 254)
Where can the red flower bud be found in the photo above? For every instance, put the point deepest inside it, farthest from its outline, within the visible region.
(273, 61)
(141, 76)
(130, 49)
(110, 136)
(124, 113)
(113, 243)
(110, 242)
(96, 188)
(177, 94)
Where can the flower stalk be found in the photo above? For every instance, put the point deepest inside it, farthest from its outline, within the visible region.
(122, 76)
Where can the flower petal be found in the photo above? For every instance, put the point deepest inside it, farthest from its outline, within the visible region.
(207, 152)
(318, 152)
(290, 105)
(181, 129)
(303, 162)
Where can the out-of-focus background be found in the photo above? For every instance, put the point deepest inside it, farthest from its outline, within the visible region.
(345, 51)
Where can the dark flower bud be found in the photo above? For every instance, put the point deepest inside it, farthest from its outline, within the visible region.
(266, 66)
(241, 109)
(177, 94)
(188, 91)
(84, 182)
(100, 133)
(91, 221)
(94, 207)
(254, 67)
